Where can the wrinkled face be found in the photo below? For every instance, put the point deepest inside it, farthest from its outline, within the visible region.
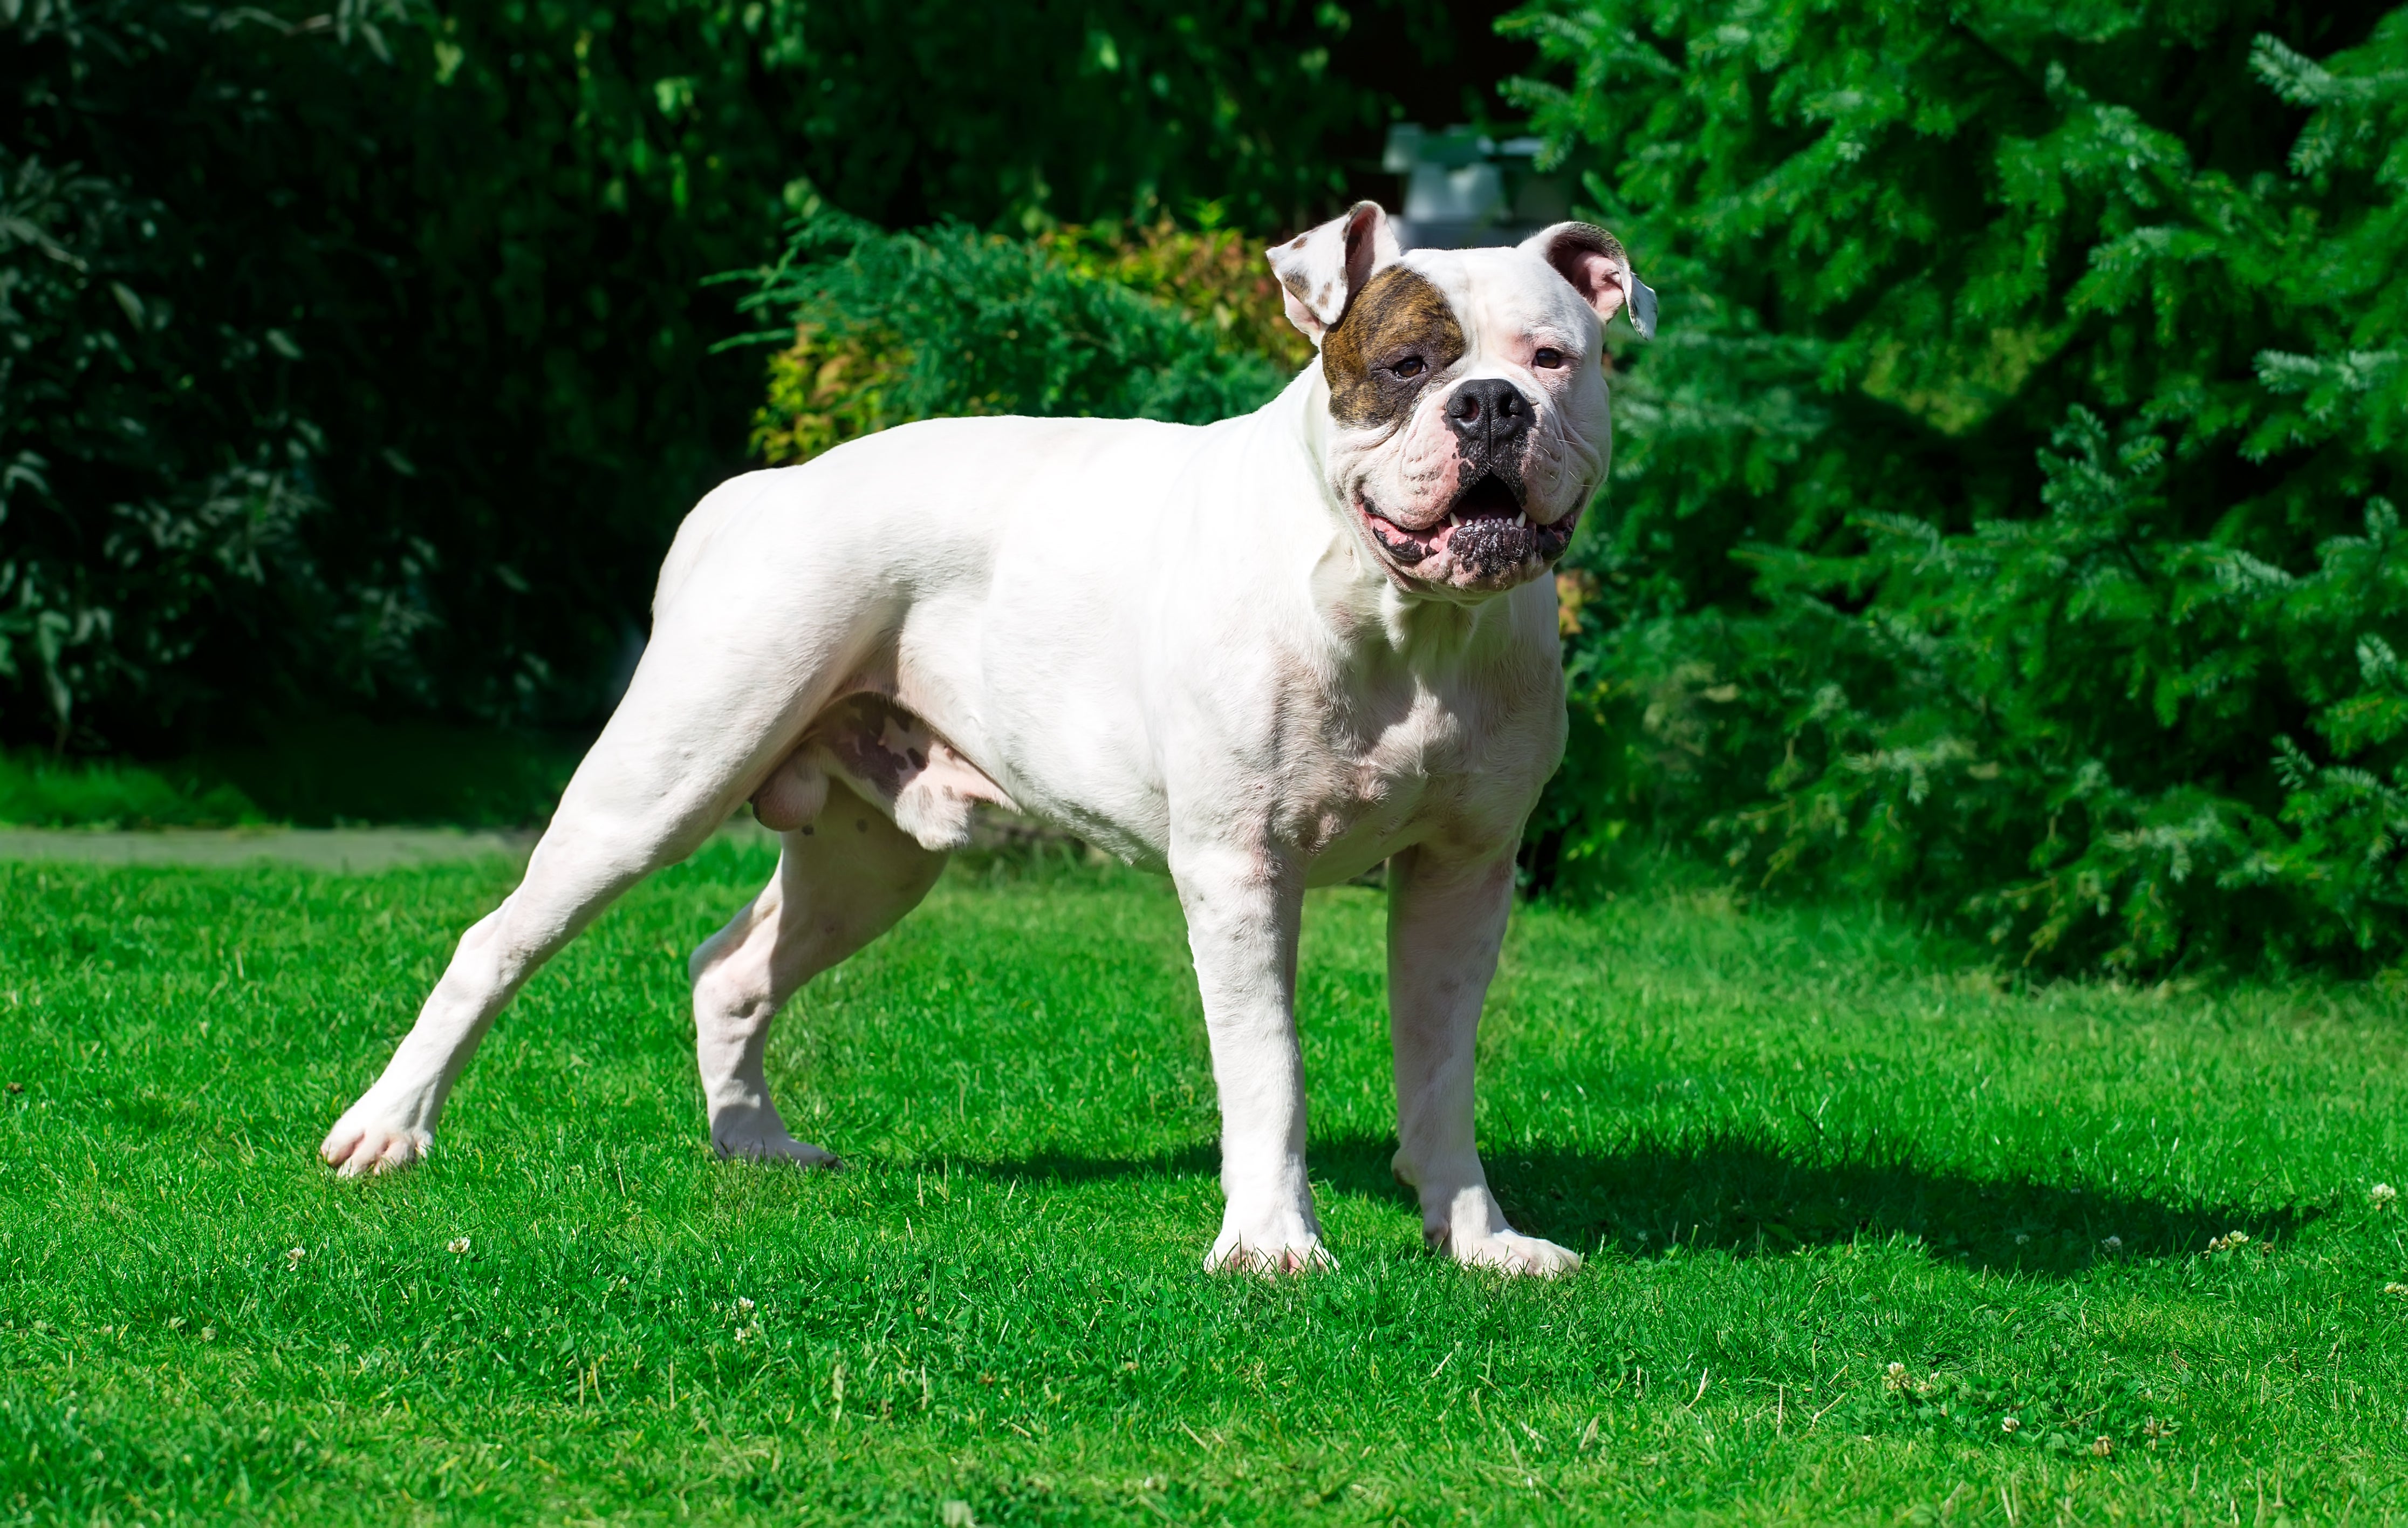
(1469, 415)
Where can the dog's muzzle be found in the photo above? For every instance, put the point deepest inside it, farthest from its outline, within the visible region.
(1486, 528)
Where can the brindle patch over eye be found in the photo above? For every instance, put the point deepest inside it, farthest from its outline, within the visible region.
(1397, 314)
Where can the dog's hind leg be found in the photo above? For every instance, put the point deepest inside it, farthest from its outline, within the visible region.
(693, 734)
(842, 880)
(586, 858)
(576, 871)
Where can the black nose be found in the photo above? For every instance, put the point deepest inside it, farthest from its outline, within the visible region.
(1488, 411)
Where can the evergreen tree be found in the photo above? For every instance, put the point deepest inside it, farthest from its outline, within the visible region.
(2043, 364)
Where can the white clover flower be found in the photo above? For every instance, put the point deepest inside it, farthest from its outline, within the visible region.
(293, 1259)
(457, 1246)
(2383, 1194)
(2012, 1425)
(2113, 1244)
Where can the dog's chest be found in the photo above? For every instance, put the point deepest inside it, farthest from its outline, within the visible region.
(1367, 776)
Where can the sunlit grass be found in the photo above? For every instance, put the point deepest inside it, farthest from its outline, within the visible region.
(1798, 1153)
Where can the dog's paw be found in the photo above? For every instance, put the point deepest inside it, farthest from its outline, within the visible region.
(775, 1145)
(361, 1145)
(1509, 1252)
(1302, 1255)
(1279, 1239)
(753, 1130)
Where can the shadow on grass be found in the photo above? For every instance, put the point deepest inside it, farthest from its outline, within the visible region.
(1745, 1198)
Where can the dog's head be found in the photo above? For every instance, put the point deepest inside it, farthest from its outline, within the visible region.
(1467, 410)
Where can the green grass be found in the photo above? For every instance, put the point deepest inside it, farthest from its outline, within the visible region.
(1797, 1153)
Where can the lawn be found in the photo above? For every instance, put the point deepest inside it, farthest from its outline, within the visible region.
(1869, 1239)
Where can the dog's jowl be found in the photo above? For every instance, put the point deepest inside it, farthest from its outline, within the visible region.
(1259, 655)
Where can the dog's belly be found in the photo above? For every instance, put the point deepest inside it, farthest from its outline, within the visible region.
(888, 757)
(1341, 815)
(898, 762)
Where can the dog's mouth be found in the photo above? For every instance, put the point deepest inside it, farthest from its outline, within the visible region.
(1486, 528)
(1487, 499)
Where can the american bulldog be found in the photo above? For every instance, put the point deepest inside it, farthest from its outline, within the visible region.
(1261, 656)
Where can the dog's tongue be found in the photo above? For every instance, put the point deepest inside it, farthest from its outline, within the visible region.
(1488, 500)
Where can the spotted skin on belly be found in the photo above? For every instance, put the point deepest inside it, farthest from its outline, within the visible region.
(891, 758)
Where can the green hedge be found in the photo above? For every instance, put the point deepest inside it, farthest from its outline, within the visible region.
(2041, 365)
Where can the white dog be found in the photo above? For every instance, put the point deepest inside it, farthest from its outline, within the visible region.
(1262, 655)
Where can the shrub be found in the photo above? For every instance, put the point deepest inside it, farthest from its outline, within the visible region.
(1215, 274)
(2055, 414)
(893, 327)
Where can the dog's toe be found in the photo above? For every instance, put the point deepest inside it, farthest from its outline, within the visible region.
(777, 1147)
(1269, 1257)
(1511, 1253)
(357, 1149)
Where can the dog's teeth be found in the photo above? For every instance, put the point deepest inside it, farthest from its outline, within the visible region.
(1452, 518)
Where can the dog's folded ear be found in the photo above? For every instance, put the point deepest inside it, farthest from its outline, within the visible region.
(1321, 270)
(1593, 261)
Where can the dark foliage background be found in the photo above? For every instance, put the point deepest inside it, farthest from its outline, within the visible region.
(361, 358)
(2004, 525)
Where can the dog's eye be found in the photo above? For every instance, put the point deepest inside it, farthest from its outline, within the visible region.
(1410, 367)
(1548, 356)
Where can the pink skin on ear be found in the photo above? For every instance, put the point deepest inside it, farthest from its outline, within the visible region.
(1596, 266)
(1596, 278)
(1301, 316)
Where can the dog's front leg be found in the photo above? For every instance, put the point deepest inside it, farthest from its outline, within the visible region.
(1243, 908)
(1446, 921)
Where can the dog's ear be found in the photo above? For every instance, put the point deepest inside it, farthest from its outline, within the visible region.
(1321, 270)
(1592, 260)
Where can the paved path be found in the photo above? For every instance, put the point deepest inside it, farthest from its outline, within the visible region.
(351, 850)
(340, 850)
